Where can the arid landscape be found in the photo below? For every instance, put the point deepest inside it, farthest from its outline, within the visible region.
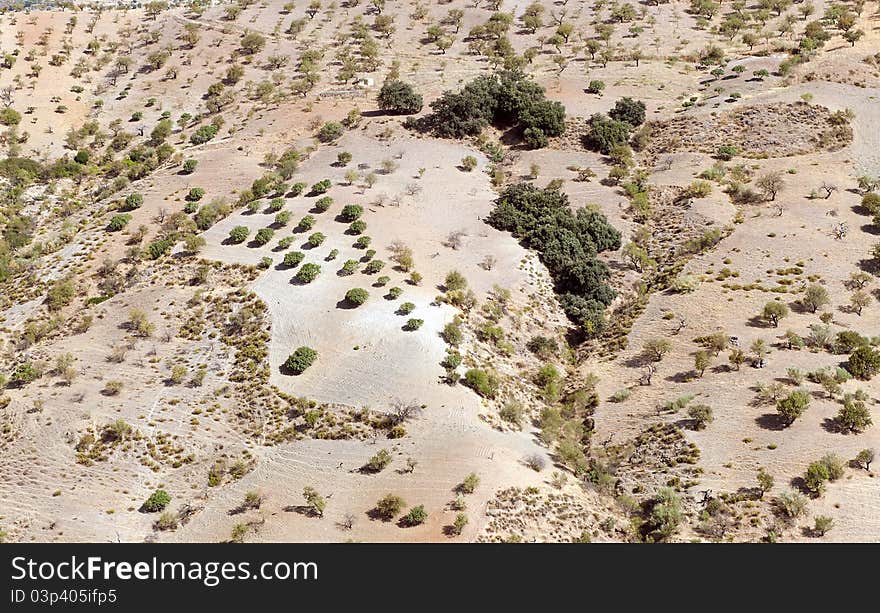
(453, 271)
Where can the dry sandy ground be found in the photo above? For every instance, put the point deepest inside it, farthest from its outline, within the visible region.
(736, 444)
(451, 437)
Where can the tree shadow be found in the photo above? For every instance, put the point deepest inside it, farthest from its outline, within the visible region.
(375, 515)
(869, 265)
(636, 361)
(301, 509)
(771, 421)
(450, 531)
(757, 321)
(830, 424)
(800, 484)
(682, 377)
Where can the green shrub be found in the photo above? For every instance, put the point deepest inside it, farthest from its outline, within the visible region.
(406, 308)
(470, 483)
(9, 117)
(322, 204)
(24, 373)
(292, 259)
(363, 242)
(863, 363)
(238, 234)
(297, 188)
(595, 87)
(263, 236)
(726, 152)
(484, 383)
(352, 212)
(357, 227)
(792, 406)
(118, 222)
(628, 111)
(158, 248)
(60, 294)
(357, 296)
(416, 516)
(374, 266)
(298, 361)
(330, 132)
(308, 273)
(320, 187)
(348, 268)
(283, 218)
(606, 133)
(134, 201)
(203, 134)
(306, 223)
(399, 98)
(413, 324)
(316, 239)
(157, 501)
(195, 194)
(389, 506)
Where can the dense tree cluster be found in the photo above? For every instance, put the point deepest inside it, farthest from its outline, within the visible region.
(507, 100)
(568, 243)
(608, 131)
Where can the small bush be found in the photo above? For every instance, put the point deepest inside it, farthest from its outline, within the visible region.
(330, 132)
(357, 296)
(263, 236)
(374, 266)
(352, 212)
(195, 194)
(323, 203)
(482, 382)
(389, 506)
(417, 515)
(238, 234)
(292, 259)
(300, 360)
(470, 483)
(134, 201)
(118, 222)
(308, 273)
(157, 501)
